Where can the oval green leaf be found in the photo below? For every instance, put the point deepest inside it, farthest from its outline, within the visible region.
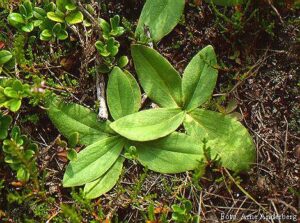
(106, 182)
(123, 94)
(74, 17)
(227, 138)
(15, 19)
(159, 79)
(149, 124)
(28, 27)
(55, 17)
(199, 78)
(5, 56)
(172, 154)
(93, 161)
(71, 118)
(160, 16)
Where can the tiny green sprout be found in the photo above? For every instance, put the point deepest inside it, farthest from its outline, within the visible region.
(181, 213)
(130, 152)
(113, 28)
(72, 142)
(20, 154)
(110, 48)
(58, 31)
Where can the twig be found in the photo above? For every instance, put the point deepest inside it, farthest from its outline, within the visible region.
(100, 86)
(91, 18)
(245, 192)
(276, 11)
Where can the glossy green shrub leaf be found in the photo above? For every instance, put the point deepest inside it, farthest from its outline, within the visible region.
(56, 28)
(93, 161)
(11, 92)
(71, 118)
(112, 46)
(61, 4)
(123, 94)
(172, 154)
(159, 79)
(5, 122)
(13, 104)
(62, 35)
(116, 30)
(74, 17)
(199, 78)
(28, 9)
(106, 182)
(5, 56)
(46, 35)
(149, 124)
(70, 7)
(227, 138)
(226, 2)
(15, 19)
(160, 16)
(105, 26)
(28, 27)
(39, 13)
(123, 61)
(56, 17)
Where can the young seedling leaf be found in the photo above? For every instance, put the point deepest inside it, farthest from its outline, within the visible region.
(106, 182)
(172, 154)
(93, 161)
(160, 16)
(70, 118)
(159, 79)
(227, 138)
(149, 124)
(123, 94)
(199, 78)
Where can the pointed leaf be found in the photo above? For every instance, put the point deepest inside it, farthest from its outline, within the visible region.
(227, 137)
(161, 16)
(106, 182)
(71, 118)
(199, 78)
(172, 154)
(149, 124)
(123, 94)
(159, 79)
(93, 161)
